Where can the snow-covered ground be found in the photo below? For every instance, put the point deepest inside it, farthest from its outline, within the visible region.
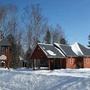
(26, 79)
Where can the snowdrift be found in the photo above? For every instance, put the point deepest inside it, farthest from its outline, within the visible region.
(26, 79)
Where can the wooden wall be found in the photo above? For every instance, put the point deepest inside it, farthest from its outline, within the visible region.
(75, 62)
(57, 63)
(9, 57)
(86, 61)
(70, 62)
(38, 54)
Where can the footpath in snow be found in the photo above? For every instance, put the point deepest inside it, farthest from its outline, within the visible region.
(26, 79)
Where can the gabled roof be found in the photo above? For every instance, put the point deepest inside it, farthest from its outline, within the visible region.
(81, 50)
(51, 51)
(4, 42)
(66, 49)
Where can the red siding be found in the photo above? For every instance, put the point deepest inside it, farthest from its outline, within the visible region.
(86, 62)
(70, 62)
(38, 54)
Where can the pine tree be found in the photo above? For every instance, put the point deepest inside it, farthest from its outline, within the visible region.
(63, 41)
(47, 38)
(1, 35)
(88, 40)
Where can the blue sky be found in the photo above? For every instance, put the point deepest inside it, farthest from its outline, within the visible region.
(72, 15)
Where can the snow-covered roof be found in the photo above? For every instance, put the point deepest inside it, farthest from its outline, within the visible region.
(51, 51)
(65, 49)
(80, 50)
(61, 51)
(84, 51)
(76, 49)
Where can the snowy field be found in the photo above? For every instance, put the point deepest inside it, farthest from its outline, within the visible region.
(26, 79)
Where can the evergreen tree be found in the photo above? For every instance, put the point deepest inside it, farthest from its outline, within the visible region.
(47, 38)
(88, 40)
(63, 41)
(1, 35)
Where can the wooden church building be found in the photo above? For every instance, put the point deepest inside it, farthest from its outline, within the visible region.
(57, 56)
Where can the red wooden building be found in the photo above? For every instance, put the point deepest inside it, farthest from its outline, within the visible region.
(61, 56)
(46, 55)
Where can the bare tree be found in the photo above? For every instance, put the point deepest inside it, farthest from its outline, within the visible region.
(88, 40)
(3, 11)
(35, 24)
(36, 21)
